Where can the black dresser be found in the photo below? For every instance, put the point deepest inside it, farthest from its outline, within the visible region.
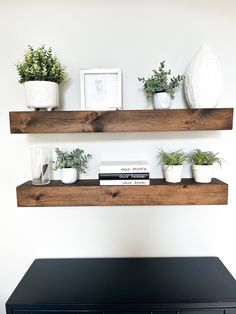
(182, 285)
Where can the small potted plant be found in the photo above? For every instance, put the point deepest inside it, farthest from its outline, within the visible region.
(41, 73)
(71, 163)
(172, 163)
(160, 87)
(203, 164)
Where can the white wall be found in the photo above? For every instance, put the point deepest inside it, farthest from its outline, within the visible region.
(134, 35)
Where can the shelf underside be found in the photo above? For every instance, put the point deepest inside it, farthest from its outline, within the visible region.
(121, 120)
(90, 193)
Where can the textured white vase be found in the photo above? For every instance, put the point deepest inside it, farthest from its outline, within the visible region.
(161, 100)
(173, 174)
(41, 95)
(69, 175)
(203, 79)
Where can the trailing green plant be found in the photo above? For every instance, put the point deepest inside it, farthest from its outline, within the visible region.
(74, 159)
(161, 82)
(40, 65)
(199, 157)
(174, 158)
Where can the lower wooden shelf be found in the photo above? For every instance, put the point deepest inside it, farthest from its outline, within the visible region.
(90, 193)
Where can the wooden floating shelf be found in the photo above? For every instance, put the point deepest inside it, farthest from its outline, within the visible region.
(121, 120)
(90, 193)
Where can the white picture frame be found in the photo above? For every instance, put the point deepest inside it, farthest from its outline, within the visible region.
(101, 89)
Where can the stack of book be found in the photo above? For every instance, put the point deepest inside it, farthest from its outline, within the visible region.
(124, 173)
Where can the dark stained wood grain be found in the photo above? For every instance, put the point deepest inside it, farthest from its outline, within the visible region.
(89, 193)
(121, 120)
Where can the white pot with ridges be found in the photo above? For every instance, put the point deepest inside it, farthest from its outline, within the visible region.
(173, 174)
(203, 173)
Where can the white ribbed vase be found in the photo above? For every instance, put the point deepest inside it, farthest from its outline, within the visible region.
(203, 79)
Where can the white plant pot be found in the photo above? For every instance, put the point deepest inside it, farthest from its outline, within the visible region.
(173, 174)
(203, 174)
(41, 95)
(69, 175)
(161, 100)
(203, 80)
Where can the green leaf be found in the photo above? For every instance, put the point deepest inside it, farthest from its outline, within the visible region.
(40, 65)
(174, 158)
(199, 157)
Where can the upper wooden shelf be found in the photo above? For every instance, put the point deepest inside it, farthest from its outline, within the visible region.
(121, 120)
(90, 193)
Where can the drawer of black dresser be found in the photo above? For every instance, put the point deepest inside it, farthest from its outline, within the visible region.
(230, 311)
(202, 311)
(55, 312)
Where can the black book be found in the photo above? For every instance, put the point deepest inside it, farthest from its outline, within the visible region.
(123, 176)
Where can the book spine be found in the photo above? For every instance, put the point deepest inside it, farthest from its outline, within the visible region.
(123, 169)
(123, 176)
(124, 182)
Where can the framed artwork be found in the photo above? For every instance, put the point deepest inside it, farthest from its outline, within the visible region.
(101, 89)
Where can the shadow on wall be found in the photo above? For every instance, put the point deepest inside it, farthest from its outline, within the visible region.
(62, 92)
(72, 138)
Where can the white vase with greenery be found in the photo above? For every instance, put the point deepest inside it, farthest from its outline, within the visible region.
(41, 73)
(71, 163)
(203, 165)
(160, 87)
(172, 163)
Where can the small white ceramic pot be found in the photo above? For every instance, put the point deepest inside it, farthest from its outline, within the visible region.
(203, 173)
(69, 175)
(161, 100)
(41, 95)
(173, 174)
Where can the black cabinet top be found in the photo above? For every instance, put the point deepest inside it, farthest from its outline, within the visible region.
(110, 283)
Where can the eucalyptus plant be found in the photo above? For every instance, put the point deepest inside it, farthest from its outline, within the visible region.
(40, 65)
(161, 81)
(74, 159)
(204, 158)
(174, 158)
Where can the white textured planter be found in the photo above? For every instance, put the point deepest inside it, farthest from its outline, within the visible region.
(69, 175)
(41, 95)
(203, 174)
(161, 100)
(173, 174)
(203, 79)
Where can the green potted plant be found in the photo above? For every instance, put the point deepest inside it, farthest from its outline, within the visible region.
(71, 163)
(172, 163)
(160, 87)
(203, 164)
(41, 73)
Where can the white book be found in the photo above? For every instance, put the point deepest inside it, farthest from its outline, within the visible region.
(124, 182)
(124, 167)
